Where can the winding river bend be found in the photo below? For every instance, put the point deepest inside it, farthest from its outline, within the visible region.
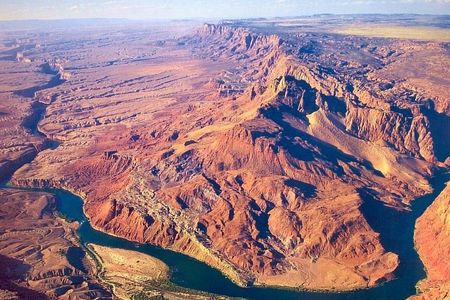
(396, 232)
(396, 229)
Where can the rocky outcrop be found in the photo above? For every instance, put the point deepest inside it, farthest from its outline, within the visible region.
(125, 221)
(35, 249)
(8, 167)
(255, 156)
(241, 39)
(432, 290)
(21, 58)
(56, 68)
(432, 240)
(407, 130)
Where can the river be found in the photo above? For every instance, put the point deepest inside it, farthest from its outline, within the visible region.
(396, 229)
(396, 233)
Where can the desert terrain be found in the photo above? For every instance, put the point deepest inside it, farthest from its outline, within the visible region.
(432, 242)
(40, 256)
(128, 271)
(250, 145)
(133, 274)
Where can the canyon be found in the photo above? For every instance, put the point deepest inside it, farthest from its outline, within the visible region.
(249, 146)
(39, 254)
(432, 242)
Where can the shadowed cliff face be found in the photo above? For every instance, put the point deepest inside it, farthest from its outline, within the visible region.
(432, 238)
(248, 151)
(39, 255)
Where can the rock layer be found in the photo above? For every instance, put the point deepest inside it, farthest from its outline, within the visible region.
(249, 151)
(39, 255)
(432, 238)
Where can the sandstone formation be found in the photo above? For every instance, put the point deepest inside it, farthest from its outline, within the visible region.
(17, 145)
(248, 150)
(432, 238)
(39, 254)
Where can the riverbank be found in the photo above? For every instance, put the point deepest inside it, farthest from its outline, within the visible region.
(133, 275)
(188, 274)
(40, 253)
(432, 242)
(128, 272)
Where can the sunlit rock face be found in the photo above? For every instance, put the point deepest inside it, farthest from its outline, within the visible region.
(432, 239)
(251, 150)
(39, 253)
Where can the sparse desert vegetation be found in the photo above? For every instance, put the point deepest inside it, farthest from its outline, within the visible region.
(133, 275)
(129, 271)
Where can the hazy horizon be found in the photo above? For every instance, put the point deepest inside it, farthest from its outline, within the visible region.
(213, 9)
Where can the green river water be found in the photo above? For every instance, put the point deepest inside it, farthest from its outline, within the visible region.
(396, 233)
